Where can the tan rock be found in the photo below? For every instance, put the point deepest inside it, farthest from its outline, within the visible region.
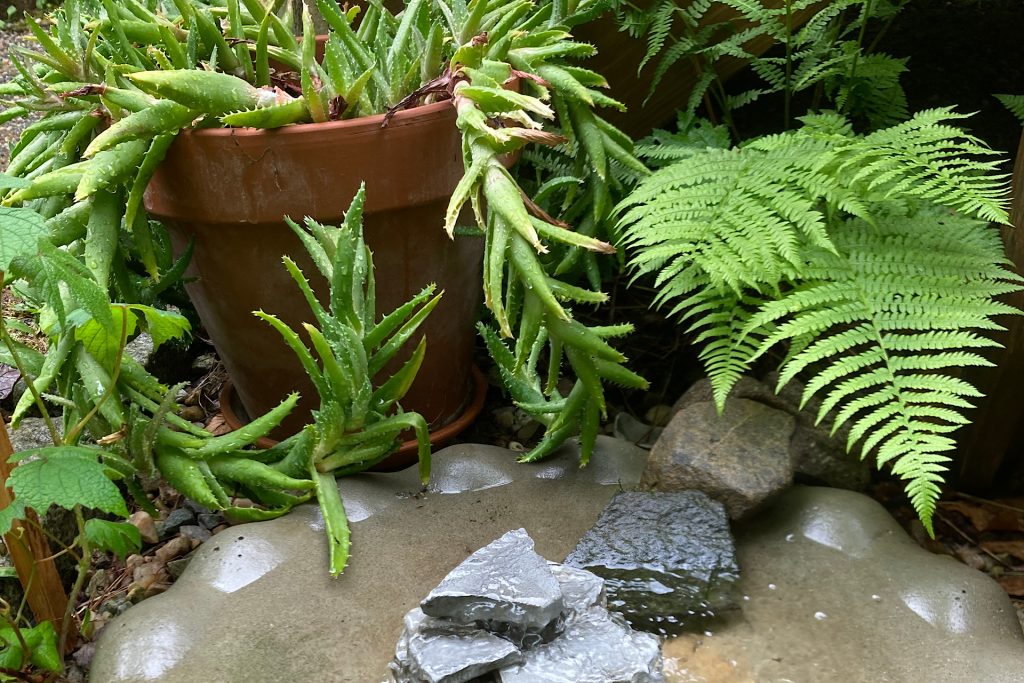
(142, 521)
(177, 546)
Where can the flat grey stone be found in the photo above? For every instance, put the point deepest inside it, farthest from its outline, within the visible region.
(667, 559)
(267, 584)
(505, 587)
(596, 647)
(740, 458)
(818, 457)
(436, 651)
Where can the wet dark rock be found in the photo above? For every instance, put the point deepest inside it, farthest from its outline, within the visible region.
(196, 508)
(174, 521)
(630, 429)
(438, 651)
(817, 455)
(667, 559)
(596, 647)
(505, 586)
(211, 520)
(740, 458)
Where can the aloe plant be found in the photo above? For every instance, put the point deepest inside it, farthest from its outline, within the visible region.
(151, 72)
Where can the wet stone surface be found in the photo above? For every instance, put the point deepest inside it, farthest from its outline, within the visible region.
(667, 559)
(505, 587)
(582, 643)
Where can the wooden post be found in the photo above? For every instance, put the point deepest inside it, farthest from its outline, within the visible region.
(997, 424)
(30, 551)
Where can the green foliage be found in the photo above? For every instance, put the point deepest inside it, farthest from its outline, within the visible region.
(862, 254)
(120, 538)
(820, 50)
(42, 643)
(152, 70)
(65, 476)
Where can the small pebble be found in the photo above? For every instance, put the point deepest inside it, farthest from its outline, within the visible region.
(211, 520)
(142, 521)
(174, 548)
(193, 414)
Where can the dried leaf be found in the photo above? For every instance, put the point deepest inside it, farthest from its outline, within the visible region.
(1014, 548)
(1012, 583)
(217, 426)
(8, 378)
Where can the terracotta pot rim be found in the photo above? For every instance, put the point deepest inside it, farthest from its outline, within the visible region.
(402, 118)
(410, 447)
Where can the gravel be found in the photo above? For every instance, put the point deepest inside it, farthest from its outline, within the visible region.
(12, 36)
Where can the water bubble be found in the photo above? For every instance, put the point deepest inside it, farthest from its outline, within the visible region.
(708, 634)
(746, 598)
(876, 598)
(772, 586)
(790, 538)
(820, 616)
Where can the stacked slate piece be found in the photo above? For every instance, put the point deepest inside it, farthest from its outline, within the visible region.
(507, 615)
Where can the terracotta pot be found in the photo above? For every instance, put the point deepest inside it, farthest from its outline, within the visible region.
(228, 190)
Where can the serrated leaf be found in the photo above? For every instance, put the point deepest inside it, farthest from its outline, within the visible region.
(20, 230)
(11, 513)
(65, 476)
(120, 538)
(164, 325)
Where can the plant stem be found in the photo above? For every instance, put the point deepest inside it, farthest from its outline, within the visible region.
(83, 569)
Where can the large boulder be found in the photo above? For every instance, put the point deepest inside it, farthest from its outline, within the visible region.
(740, 458)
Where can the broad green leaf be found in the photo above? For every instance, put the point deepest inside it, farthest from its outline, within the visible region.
(164, 325)
(65, 476)
(20, 230)
(41, 641)
(102, 342)
(8, 573)
(120, 538)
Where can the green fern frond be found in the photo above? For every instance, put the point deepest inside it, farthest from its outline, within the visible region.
(873, 92)
(1015, 103)
(929, 158)
(892, 315)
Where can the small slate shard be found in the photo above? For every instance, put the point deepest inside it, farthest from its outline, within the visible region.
(581, 589)
(596, 647)
(667, 559)
(505, 587)
(436, 651)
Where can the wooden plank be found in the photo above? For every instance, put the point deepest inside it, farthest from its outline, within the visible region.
(997, 424)
(30, 551)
